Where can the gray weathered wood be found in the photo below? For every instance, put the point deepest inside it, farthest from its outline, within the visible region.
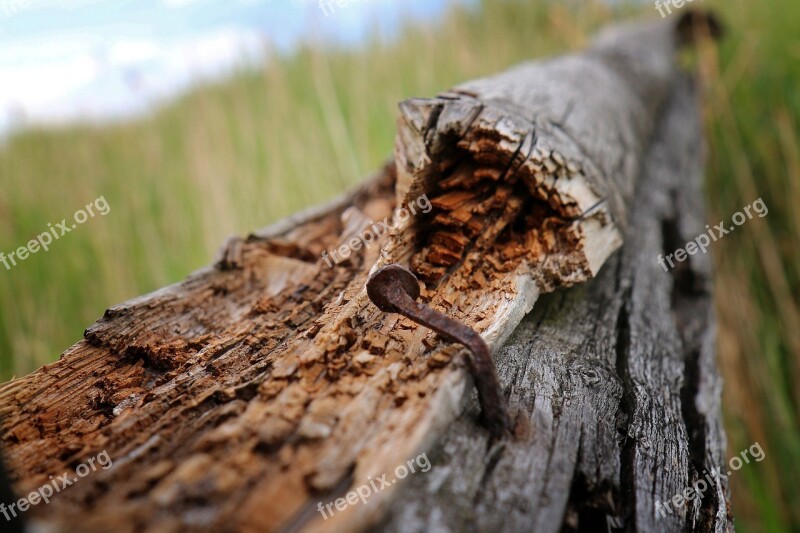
(617, 377)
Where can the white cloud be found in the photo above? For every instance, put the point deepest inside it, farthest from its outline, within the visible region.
(64, 79)
(129, 52)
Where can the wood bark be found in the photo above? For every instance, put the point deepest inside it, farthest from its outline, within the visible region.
(246, 395)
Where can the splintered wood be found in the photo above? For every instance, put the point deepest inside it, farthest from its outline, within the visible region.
(506, 215)
(242, 398)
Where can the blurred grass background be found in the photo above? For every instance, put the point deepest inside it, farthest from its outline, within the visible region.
(232, 157)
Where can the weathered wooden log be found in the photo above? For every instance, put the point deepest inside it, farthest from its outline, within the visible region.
(249, 395)
(618, 379)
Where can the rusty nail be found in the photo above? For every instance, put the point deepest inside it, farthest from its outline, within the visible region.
(395, 289)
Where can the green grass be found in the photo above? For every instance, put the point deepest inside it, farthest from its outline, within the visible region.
(232, 157)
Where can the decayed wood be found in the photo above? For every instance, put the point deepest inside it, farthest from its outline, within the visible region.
(242, 397)
(617, 378)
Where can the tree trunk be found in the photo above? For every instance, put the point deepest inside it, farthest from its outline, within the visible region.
(248, 395)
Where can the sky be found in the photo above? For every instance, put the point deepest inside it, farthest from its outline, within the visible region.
(68, 60)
